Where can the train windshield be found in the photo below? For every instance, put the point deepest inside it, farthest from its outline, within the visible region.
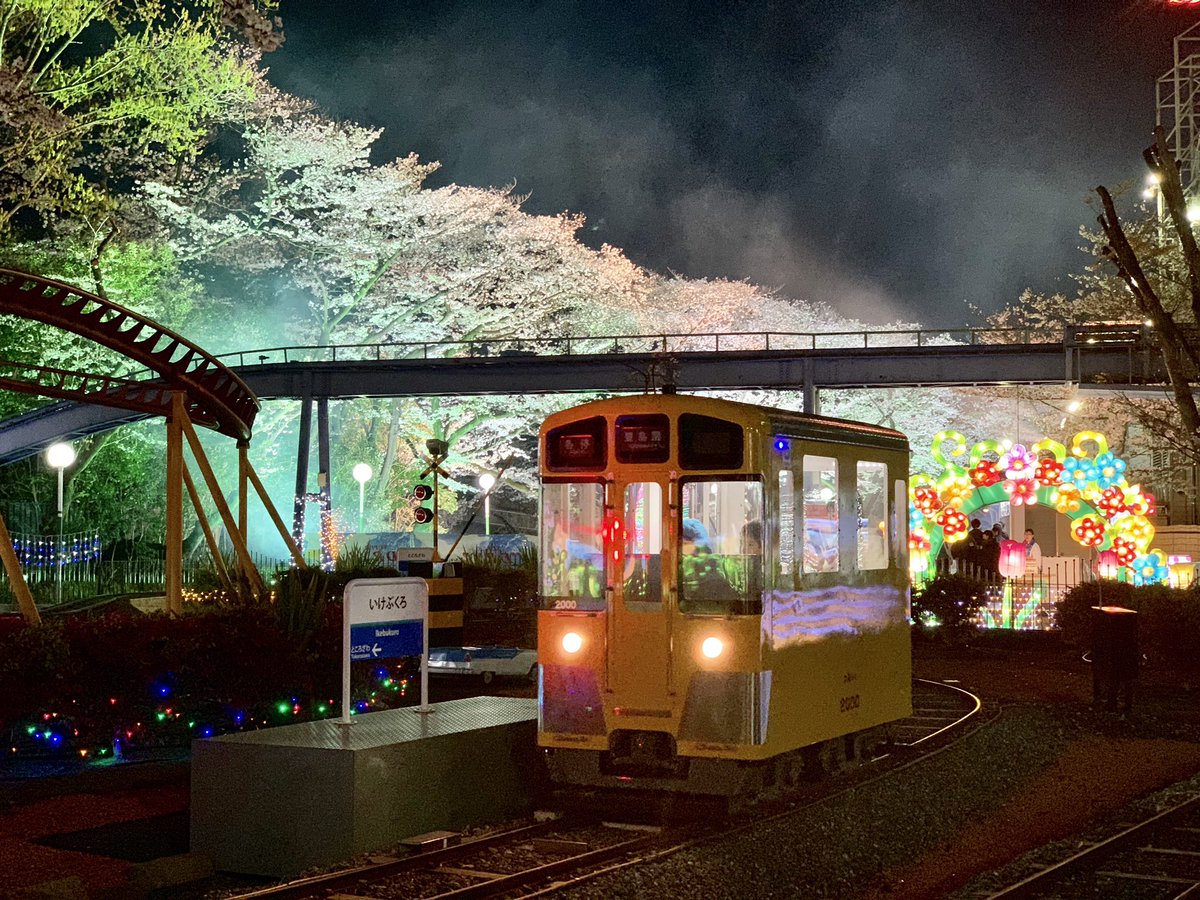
(572, 545)
(721, 547)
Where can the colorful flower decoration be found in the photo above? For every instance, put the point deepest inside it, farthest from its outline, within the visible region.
(926, 499)
(1018, 463)
(954, 525)
(1089, 531)
(918, 540)
(1125, 549)
(1109, 470)
(1022, 493)
(985, 473)
(1150, 568)
(1138, 529)
(956, 490)
(1049, 472)
(1111, 502)
(1078, 472)
(1067, 500)
(1088, 481)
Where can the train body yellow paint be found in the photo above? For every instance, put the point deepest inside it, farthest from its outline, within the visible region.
(722, 586)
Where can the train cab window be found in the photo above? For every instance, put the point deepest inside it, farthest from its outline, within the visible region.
(820, 514)
(871, 512)
(708, 443)
(643, 438)
(787, 523)
(721, 547)
(642, 563)
(572, 545)
(577, 446)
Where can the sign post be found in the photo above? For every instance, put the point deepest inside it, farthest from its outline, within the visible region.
(385, 618)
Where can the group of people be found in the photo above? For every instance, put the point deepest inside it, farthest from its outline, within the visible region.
(979, 554)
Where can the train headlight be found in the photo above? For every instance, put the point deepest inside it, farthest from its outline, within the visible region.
(712, 647)
(571, 642)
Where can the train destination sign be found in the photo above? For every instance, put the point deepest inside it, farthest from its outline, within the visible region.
(383, 619)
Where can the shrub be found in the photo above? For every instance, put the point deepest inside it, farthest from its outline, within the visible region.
(948, 606)
(1168, 619)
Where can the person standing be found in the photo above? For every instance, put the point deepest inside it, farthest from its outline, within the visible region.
(1033, 552)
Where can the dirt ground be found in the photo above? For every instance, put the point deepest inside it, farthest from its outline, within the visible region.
(1157, 745)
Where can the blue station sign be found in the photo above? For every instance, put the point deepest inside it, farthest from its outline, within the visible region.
(386, 640)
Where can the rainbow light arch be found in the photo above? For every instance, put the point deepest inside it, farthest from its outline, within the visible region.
(1085, 482)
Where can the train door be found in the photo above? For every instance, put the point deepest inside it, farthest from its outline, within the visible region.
(639, 643)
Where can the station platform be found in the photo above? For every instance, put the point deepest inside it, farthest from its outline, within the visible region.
(282, 800)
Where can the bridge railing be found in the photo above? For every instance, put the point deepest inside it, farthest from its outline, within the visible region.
(705, 342)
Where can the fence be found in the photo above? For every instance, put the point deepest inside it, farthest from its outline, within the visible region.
(1027, 602)
(75, 581)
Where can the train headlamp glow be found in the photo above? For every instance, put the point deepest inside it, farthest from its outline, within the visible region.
(712, 647)
(571, 642)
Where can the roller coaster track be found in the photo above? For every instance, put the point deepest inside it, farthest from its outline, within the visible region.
(215, 397)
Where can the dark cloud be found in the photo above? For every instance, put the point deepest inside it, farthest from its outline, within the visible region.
(892, 159)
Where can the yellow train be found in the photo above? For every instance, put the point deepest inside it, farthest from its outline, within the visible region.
(724, 593)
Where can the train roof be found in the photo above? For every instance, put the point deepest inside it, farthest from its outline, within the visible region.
(780, 421)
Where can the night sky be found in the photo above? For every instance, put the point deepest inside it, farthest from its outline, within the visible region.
(896, 160)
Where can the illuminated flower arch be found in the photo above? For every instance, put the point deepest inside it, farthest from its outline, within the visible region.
(1086, 483)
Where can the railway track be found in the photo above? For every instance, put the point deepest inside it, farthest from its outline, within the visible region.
(1157, 857)
(539, 858)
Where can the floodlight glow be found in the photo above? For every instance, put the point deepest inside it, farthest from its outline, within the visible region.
(59, 456)
(362, 473)
(487, 481)
(712, 647)
(1193, 213)
(571, 642)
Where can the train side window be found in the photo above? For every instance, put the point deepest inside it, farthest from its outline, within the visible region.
(899, 518)
(643, 543)
(820, 514)
(871, 516)
(787, 523)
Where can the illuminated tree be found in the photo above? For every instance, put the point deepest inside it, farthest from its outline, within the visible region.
(90, 88)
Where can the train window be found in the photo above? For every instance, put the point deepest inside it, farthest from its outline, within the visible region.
(643, 439)
(572, 545)
(577, 446)
(820, 514)
(721, 547)
(787, 523)
(643, 543)
(899, 518)
(708, 443)
(871, 512)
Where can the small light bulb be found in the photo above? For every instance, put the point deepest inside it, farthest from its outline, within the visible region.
(712, 647)
(571, 642)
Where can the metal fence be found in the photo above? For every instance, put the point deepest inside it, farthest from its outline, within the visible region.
(52, 585)
(1025, 603)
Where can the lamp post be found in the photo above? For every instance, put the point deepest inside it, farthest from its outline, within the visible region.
(487, 481)
(59, 456)
(362, 474)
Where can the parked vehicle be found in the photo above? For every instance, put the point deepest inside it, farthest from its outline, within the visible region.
(487, 662)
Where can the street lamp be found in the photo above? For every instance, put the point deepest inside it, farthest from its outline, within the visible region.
(487, 481)
(59, 456)
(362, 474)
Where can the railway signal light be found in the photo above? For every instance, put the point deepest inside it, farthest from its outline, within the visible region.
(422, 515)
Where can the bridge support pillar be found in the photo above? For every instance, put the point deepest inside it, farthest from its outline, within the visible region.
(16, 578)
(323, 485)
(302, 470)
(243, 448)
(812, 402)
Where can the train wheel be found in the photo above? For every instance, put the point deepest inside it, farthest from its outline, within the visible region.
(532, 676)
(489, 677)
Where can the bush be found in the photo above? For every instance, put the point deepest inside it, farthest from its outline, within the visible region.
(948, 606)
(1168, 619)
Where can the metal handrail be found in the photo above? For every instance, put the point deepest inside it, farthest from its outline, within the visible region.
(663, 342)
